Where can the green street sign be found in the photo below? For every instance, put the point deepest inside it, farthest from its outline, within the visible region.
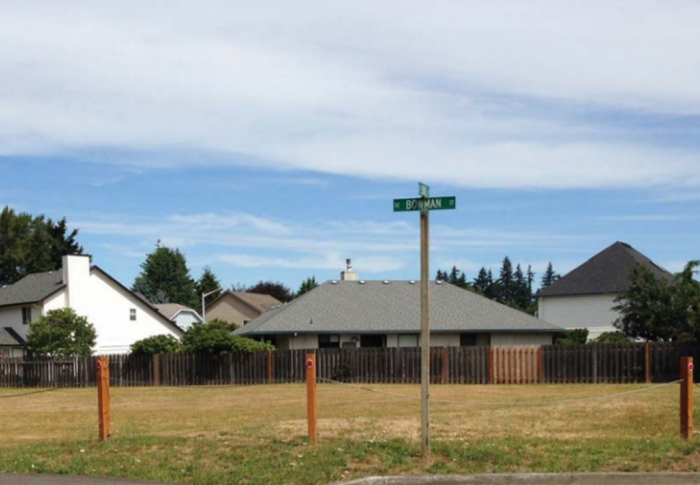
(431, 204)
(423, 190)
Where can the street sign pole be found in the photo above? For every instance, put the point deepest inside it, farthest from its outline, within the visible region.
(425, 330)
(425, 204)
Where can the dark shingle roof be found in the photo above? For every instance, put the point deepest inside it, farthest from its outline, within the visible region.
(607, 272)
(33, 288)
(8, 337)
(376, 306)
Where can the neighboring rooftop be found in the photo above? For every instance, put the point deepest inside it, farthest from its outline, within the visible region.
(257, 301)
(608, 272)
(169, 310)
(10, 338)
(388, 307)
(33, 288)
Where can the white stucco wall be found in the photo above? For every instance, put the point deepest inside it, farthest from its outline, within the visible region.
(507, 339)
(594, 312)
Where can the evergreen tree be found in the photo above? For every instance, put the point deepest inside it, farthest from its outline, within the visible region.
(206, 283)
(491, 289)
(30, 244)
(506, 284)
(165, 278)
(521, 292)
(481, 282)
(453, 276)
(550, 276)
(307, 285)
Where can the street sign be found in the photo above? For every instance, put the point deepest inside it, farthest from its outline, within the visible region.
(423, 190)
(431, 204)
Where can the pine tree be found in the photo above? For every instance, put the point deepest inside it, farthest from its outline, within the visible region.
(454, 276)
(550, 276)
(521, 297)
(307, 285)
(491, 290)
(481, 282)
(207, 283)
(506, 283)
(165, 278)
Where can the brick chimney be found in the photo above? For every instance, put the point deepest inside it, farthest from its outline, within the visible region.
(349, 274)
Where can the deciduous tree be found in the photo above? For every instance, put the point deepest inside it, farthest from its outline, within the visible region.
(61, 333)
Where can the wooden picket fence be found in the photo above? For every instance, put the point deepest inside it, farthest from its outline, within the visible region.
(578, 364)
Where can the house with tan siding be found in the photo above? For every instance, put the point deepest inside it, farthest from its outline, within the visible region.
(240, 308)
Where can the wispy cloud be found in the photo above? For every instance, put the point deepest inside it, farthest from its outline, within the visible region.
(290, 87)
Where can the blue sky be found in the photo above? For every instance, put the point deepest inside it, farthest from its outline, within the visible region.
(268, 141)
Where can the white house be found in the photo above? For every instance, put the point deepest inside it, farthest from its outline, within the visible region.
(585, 297)
(120, 316)
(181, 315)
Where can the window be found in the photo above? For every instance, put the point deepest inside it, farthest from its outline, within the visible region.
(246, 322)
(408, 340)
(132, 314)
(467, 340)
(26, 315)
(372, 340)
(329, 341)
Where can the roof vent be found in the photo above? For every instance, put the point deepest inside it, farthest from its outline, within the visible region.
(412, 282)
(334, 282)
(386, 282)
(362, 282)
(439, 282)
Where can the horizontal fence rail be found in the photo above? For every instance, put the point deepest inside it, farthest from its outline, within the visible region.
(553, 364)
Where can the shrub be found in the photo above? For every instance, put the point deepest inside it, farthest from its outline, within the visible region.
(158, 344)
(611, 338)
(576, 336)
(61, 333)
(215, 337)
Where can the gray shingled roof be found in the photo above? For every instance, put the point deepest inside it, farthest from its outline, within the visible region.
(375, 306)
(32, 288)
(608, 272)
(8, 337)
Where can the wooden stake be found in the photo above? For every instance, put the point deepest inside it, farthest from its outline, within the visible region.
(425, 331)
(647, 363)
(103, 401)
(687, 397)
(311, 397)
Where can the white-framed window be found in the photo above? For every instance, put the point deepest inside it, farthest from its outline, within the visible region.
(26, 315)
(132, 314)
(246, 322)
(329, 341)
(408, 340)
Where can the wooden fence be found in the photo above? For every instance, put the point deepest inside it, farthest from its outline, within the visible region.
(591, 364)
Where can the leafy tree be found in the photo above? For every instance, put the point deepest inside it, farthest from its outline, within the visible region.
(165, 278)
(655, 310)
(611, 338)
(576, 336)
(215, 337)
(550, 276)
(157, 344)
(307, 285)
(273, 288)
(61, 333)
(31, 244)
(206, 283)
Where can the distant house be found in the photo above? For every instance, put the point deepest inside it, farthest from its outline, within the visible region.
(11, 344)
(355, 313)
(584, 298)
(239, 308)
(120, 316)
(181, 315)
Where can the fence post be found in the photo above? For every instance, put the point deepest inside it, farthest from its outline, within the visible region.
(270, 369)
(103, 402)
(311, 397)
(687, 397)
(540, 365)
(445, 366)
(647, 363)
(490, 365)
(156, 369)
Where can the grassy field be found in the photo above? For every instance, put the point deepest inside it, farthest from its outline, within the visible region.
(255, 435)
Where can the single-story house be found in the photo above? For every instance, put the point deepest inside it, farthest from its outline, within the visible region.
(585, 297)
(239, 308)
(181, 315)
(120, 316)
(358, 313)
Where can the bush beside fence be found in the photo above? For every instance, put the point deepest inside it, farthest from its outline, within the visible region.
(577, 364)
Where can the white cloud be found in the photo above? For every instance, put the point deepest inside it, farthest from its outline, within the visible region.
(486, 94)
(322, 261)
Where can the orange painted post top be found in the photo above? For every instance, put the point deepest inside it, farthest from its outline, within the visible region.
(103, 400)
(687, 397)
(311, 397)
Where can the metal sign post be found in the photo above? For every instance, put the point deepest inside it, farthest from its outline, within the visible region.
(425, 204)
